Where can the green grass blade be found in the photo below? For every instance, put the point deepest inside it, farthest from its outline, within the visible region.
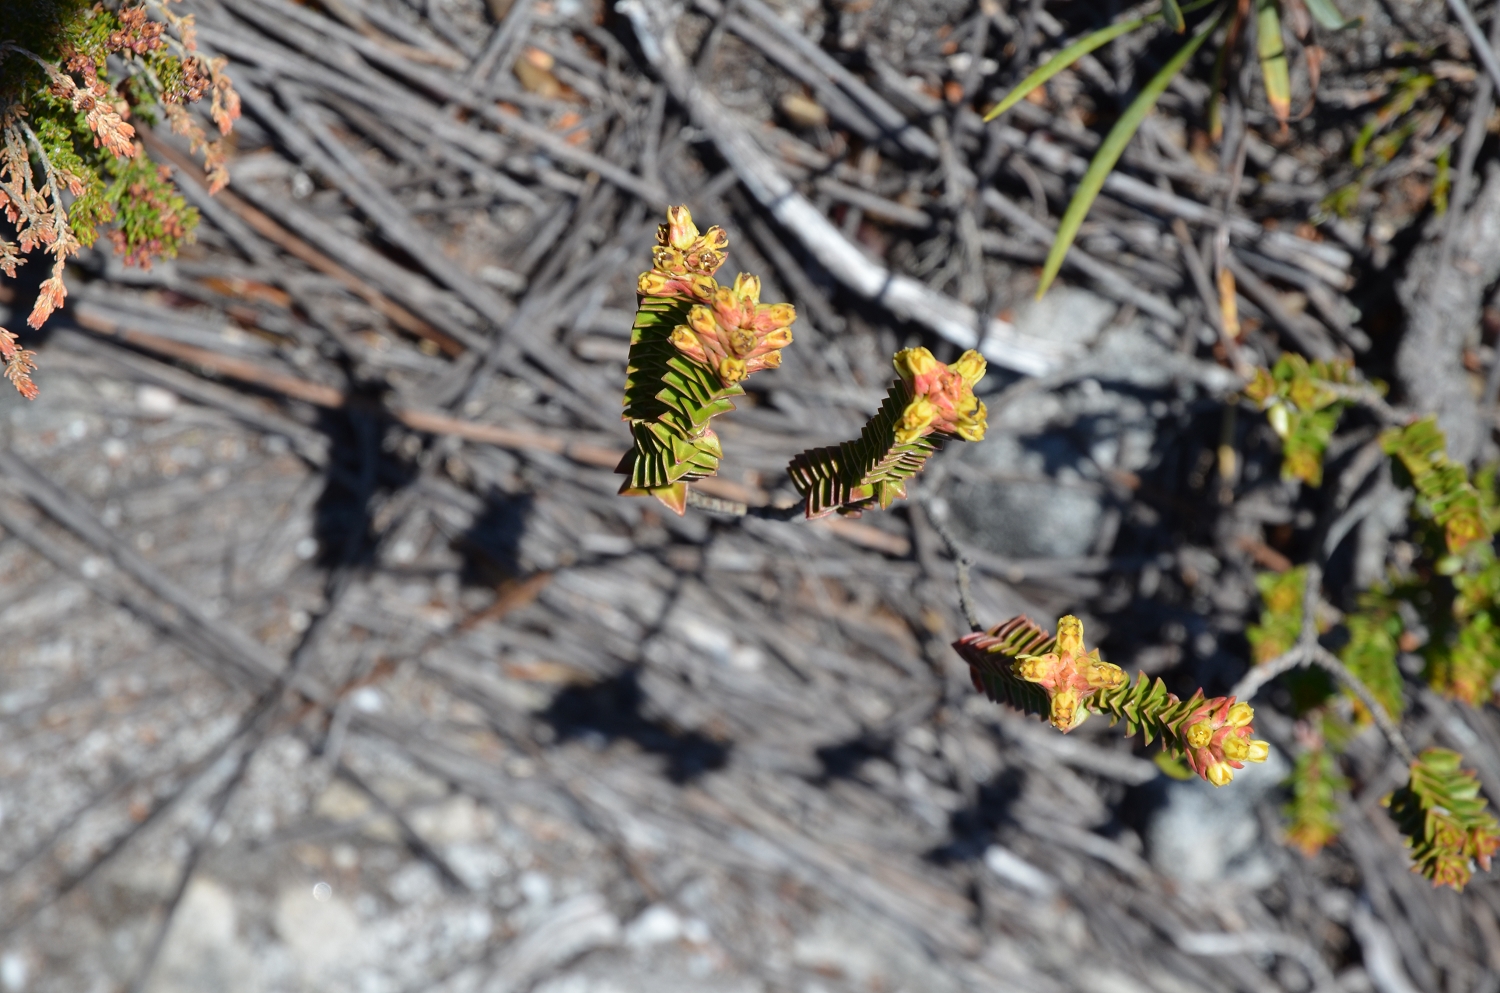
(1063, 60)
(1216, 90)
(1087, 44)
(1173, 14)
(1442, 185)
(1273, 67)
(1112, 148)
(1328, 16)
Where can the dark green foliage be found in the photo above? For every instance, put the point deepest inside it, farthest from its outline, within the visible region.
(65, 136)
(990, 656)
(1372, 650)
(1446, 821)
(871, 470)
(669, 400)
(39, 26)
(1312, 814)
(152, 220)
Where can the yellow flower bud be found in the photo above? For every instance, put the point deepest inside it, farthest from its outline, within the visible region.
(741, 341)
(1240, 715)
(701, 320)
(1065, 710)
(1199, 734)
(681, 231)
(1236, 749)
(732, 370)
(651, 284)
(1220, 773)
(917, 416)
(1257, 751)
(771, 360)
(1069, 635)
(782, 314)
(913, 362)
(746, 285)
(780, 338)
(668, 259)
(683, 338)
(972, 428)
(1033, 668)
(970, 366)
(1104, 675)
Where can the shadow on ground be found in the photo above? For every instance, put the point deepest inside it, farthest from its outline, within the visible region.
(611, 710)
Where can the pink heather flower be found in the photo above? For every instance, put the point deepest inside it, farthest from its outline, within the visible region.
(736, 334)
(1067, 673)
(1217, 738)
(943, 395)
(49, 298)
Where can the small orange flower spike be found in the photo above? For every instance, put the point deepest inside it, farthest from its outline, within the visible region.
(1068, 674)
(942, 395)
(736, 334)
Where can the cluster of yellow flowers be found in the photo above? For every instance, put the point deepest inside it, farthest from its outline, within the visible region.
(736, 334)
(942, 395)
(728, 329)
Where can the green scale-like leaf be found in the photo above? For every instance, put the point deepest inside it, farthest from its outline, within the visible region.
(669, 400)
(1149, 707)
(660, 457)
(990, 656)
(873, 468)
(662, 384)
(1446, 820)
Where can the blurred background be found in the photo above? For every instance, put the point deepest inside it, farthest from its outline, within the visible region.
(331, 660)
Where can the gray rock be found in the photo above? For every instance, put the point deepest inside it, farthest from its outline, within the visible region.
(1037, 486)
(1203, 833)
(1068, 315)
(322, 931)
(1027, 519)
(204, 950)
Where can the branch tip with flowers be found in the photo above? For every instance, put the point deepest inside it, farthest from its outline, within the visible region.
(1024, 666)
(927, 405)
(692, 344)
